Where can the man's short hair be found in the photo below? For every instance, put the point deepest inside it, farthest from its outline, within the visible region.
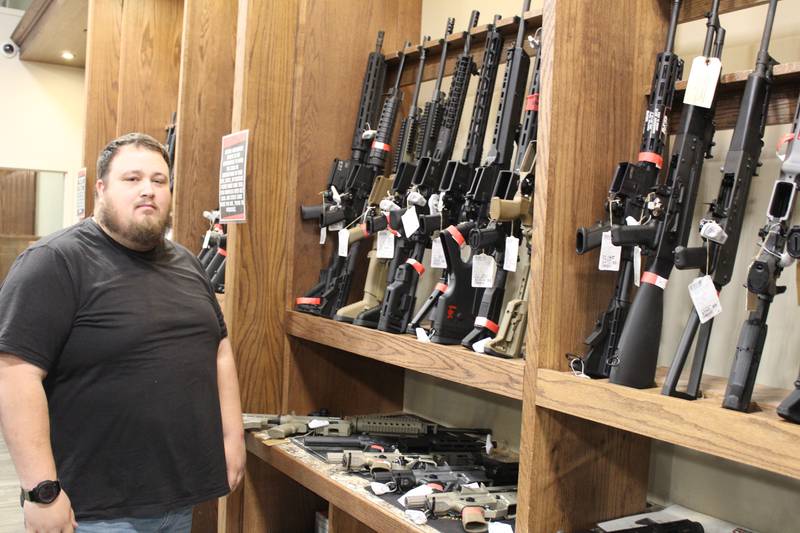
(141, 140)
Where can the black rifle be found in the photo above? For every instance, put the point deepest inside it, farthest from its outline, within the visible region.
(493, 236)
(333, 288)
(722, 224)
(669, 209)
(442, 441)
(455, 307)
(399, 300)
(649, 526)
(409, 127)
(170, 144)
(763, 274)
(630, 182)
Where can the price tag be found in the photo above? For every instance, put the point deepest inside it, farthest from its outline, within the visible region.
(510, 257)
(610, 255)
(317, 423)
(705, 298)
(637, 265)
(422, 335)
(380, 488)
(438, 259)
(206, 239)
(489, 444)
(499, 527)
(410, 221)
(480, 346)
(702, 82)
(344, 241)
(418, 517)
(483, 267)
(323, 235)
(385, 245)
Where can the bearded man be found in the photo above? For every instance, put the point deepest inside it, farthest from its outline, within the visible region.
(119, 400)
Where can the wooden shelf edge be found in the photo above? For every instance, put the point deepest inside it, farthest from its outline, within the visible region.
(782, 73)
(760, 439)
(450, 363)
(337, 488)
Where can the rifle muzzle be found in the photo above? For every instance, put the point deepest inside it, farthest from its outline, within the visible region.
(588, 239)
(310, 212)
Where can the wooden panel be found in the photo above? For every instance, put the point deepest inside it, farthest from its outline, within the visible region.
(451, 363)
(102, 84)
(341, 522)
(17, 202)
(761, 438)
(204, 517)
(10, 247)
(204, 113)
(49, 28)
(697, 9)
(149, 64)
(585, 129)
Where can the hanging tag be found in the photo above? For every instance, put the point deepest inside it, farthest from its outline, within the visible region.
(705, 298)
(510, 257)
(323, 235)
(317, 423)
(489, 444)
(422, 335)
(379, 488)
(438, 259)
(344, 241)
(206, 239)
(483, 267)
(479, 346)
(702, 82)
(410, 221)
(385, 245)
(637, 265)
(609, 254)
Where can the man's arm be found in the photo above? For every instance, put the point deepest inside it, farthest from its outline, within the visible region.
(26, 428)
(231, 407)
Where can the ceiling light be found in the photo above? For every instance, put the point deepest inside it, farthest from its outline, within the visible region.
(66, 54)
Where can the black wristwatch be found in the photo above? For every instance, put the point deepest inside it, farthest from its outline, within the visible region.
(45, 492)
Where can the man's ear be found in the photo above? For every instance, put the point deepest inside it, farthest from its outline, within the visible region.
(99, 186)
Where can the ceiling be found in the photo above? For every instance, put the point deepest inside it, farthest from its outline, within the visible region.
(51, 27)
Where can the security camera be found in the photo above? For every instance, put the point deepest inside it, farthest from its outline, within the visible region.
(10, 49)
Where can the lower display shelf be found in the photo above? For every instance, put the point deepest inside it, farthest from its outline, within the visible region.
(344, 491)
(450, 363)
(759, 438)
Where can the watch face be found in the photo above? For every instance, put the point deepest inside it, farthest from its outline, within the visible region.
(47, 491)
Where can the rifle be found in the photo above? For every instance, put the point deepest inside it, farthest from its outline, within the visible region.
(474, 505)
(445, 440)
(669, 208)
(384, 462)
(170, 145)
(333, 288)
(399, 300)
(446, 477)
(453, 305)
(721, 227)
(509, 223)
(763, 274)
(624, 200)
(677, 526)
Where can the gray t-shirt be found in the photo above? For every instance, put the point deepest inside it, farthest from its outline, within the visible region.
(129, 341)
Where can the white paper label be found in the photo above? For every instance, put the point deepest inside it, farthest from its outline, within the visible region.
(702, 82)
(637, 266)
(323, 235)
(317, 423)
(206, 239)
(422, 335)
(483, 267)
(609, 254)
(410, 221)
(480, 346)
(438, 259)
(473, 485)
(344, 240)
(385, 245)
(510, 257)
(379, 488)
(705, 298)
(418, 517)
(489, 444)
(499, 527)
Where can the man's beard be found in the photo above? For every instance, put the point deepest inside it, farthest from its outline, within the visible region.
(147, 233)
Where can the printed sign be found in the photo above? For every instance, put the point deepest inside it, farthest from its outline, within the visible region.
(80, 194)
(232, 174)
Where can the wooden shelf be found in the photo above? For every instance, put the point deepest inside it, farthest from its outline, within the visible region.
(344, 491)
(450, 363)
(760, 438)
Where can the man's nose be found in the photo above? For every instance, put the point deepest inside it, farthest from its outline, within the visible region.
(147, 188)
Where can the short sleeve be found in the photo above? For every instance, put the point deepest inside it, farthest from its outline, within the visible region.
(38, 303)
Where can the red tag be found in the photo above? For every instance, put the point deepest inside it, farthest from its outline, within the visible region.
(441, 287)
(532, 102)
(416, 265)
(452, 230)
(381, 146)
(651, 157)
(483, 322)
(307, 301)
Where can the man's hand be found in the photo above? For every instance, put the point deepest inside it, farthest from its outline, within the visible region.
(56, 517)
(235, 457)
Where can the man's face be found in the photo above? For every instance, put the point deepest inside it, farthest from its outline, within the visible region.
(134, 200)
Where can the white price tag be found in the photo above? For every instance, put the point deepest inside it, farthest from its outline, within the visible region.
(637, 266)
(489, 444)
(510, 257)
(317, 423)
(206, 239)
(379, 488)
(610, 255)
(499, 527)
(705, 298)
(438, 259)
(702, 82)
(483, 267)
(323, 235)
(418, 517)
(410, 221)
(385, 245)
(422, 335)
(344, 241)
(480, 346)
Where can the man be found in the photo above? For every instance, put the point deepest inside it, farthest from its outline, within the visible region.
(117, 330)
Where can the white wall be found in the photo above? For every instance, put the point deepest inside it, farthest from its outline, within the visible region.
(49, 202)
(41, 115)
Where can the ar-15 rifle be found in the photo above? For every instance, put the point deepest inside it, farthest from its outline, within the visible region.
(446, 477)
(515, 221)
(399, 301)
(475, 506)
(669, 208)
(170, 145)
(333, 288)
(444, 440)
(374, 462)
(630, 182)
(453, 306)
(677, 526)
(722, 224)
(763, 274)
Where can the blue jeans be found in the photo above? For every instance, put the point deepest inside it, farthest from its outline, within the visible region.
(178, 521)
